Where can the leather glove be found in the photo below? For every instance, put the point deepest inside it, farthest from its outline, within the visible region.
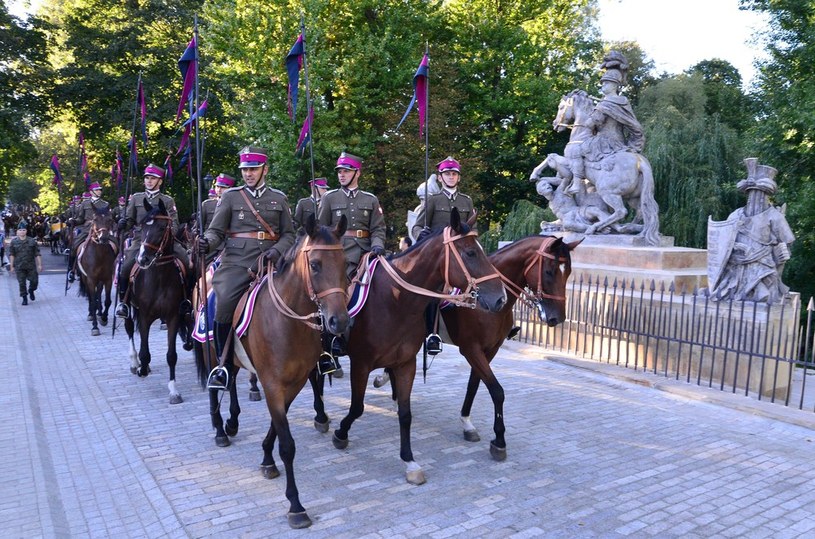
(71, 222)
(121, 224)
(376, 250)
(271, 255)
(424, 233)
(203, 245)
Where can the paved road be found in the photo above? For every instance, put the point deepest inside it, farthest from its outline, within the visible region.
(92, 451)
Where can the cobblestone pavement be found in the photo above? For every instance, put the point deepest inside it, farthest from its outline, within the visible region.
(93, 451)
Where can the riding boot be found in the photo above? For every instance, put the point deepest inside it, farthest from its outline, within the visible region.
(328, 362)
(122, 310)
(71, 262)
(219, 376)
(513, 332)
(432, 343)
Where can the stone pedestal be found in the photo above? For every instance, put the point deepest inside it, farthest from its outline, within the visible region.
(625, 257)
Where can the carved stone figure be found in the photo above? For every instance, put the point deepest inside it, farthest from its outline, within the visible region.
(428, 188)
(748, 251)
(604, 153)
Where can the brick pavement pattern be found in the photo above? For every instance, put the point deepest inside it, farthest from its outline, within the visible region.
(93, 451)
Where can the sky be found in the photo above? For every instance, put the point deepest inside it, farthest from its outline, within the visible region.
(678, 34)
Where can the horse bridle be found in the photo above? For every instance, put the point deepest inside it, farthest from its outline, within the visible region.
(313, 295)
(166, 237)
(469, 296)
(539, 295)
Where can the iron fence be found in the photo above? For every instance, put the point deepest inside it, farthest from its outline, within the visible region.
(763, 350)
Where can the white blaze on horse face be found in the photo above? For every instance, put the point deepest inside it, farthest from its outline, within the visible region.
(562, 267)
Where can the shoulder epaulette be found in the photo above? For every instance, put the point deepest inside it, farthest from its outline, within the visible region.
(278, 191)
(331, 191)
(367, 193)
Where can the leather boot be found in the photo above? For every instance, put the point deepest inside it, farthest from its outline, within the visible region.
(122, 310)
(432, 343)
(25, 299)
(71, 262)
(219, 377)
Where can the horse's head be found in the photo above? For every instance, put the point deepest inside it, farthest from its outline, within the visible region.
(156, 233)
(573, 107)
(548, 266)
(467, 267)
(320, 259)
(102, 226)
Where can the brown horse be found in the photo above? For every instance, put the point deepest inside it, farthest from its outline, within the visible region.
(390, 328)
(534, 269)
(157, 291)
(96, 263)
(282, 342)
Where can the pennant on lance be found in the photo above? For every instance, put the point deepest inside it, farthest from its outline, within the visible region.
(305, 133)
(188, 68)
(294, 62)
(419, 93)
(143, 107)
(55, 167)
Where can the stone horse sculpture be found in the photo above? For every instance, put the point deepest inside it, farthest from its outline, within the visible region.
(622, 179)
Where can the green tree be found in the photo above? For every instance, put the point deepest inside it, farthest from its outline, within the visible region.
(784, 136)
(724, 96)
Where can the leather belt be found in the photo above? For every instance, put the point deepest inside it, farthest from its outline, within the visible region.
(357, 234)
(259, 235)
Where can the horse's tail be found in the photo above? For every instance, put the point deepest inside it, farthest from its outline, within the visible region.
(648, 204)
(83, 290)
(202, 366)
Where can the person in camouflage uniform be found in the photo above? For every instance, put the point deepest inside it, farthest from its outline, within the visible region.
(252, 221)
(82, 221)
(134, 215)
(25, 260)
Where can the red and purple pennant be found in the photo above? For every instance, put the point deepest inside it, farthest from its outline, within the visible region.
(168, 170)
(134, 154)
(143, 107)
(119, 169)
(294, 62)
(305, 133)
(55, 167)
(188, 68)
(419, 93)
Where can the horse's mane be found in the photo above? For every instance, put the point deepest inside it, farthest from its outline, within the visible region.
(562, 248)
(465, 229)
(287, 260)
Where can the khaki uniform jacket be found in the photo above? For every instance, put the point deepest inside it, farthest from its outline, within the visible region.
(118, 212)
(305, 207)
(233, 216)
(135, 211)
(208, 211)
(363, 213)
(438, 209)
(87, 212)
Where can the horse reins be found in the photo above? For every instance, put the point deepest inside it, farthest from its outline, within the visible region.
(539, 294)
(464, 299)
(159, 249)
(313, 296)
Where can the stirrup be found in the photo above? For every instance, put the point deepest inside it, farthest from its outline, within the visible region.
(71, 276)
(338, 347)
(433, 344)
(122, 311)
(218, 378)
(327, 364)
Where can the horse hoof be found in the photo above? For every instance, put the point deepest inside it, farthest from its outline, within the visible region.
(222, 441)
(134, 370)
(416, 477)
(89, 318)
(187, 346)
(254, 395)
(498, 453)
(472, 436)
(176, 399)
(299, 521)
(103, 321)
(338, 442)
(95, 332)
(269, 472)
(323, 428)
(230, 430)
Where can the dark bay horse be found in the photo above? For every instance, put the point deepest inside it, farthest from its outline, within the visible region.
(535, 270)
(157, 291)
(282, 342)
(390, 328)
(97, 263)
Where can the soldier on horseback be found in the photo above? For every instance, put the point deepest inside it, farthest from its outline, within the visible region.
(132, 220)
(252, 221)
(82, 220)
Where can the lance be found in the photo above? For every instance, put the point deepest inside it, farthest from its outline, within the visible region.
(426, 171)
(309, 106)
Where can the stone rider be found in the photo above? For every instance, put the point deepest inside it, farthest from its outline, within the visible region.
(252, 220)
(83, 219)
(132, 219)
(436, 214)
(366, 223)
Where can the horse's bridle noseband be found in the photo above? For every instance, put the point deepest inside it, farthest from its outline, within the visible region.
(166, 238)
(539, 295)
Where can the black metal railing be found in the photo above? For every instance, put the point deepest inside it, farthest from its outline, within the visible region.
(758, 349)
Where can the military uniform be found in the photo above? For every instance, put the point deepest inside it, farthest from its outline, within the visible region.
(305, 207)
(208, 211)
(23, 253)
(245, 239)
(118, 212)
(135, 214)
(438, 208)
(84, 217)
(366, 223)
